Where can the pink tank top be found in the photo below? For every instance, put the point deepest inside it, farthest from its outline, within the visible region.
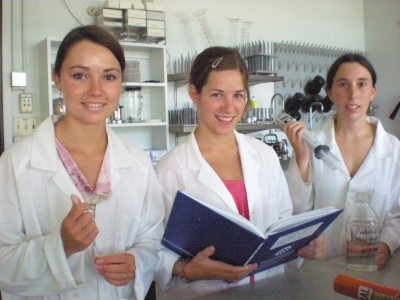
(238, 192)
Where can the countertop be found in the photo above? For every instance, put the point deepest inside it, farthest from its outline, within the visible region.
(314, 281)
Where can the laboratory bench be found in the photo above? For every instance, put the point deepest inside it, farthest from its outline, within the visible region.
(312, 282)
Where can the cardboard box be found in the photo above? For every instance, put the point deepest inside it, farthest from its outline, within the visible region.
(156, 15)
(155, 24)
(124, 4)
(136, 13)
(154, 6)
(110, 13)
(155, 32)
(137, 4)
(113, 3)
(137, 22)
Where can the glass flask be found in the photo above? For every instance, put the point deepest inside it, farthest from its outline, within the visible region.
(363, 235)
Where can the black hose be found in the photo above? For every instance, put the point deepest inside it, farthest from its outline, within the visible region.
(394, 113)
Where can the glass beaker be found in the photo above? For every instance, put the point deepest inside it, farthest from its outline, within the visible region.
(132, 105)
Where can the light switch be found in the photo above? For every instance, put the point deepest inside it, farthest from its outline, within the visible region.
(18, 79)
(25, 126)
(25, 102)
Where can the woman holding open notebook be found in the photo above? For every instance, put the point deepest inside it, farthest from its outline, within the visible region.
(226, 169)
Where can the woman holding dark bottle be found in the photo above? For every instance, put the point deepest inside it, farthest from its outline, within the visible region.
(369, 158)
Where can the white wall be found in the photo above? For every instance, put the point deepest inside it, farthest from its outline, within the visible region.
(338, 23)
(323, 22)
(382, 27)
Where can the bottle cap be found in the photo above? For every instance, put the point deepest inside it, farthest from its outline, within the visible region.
(253, 102)
(133, 88)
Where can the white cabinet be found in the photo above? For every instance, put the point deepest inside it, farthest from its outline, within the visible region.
(152, 132)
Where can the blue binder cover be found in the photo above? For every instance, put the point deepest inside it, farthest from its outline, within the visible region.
(194, 225)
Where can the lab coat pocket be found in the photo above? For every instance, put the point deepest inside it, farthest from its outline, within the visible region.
(120, 236)
(126, 292)
(130, 292)
(128, 231)
(127, 235)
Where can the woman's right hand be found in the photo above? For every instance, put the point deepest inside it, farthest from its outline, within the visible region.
(78, 229)
(202, 267)
(294, 131)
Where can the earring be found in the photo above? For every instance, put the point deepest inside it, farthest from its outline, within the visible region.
(58, 105)
(371, 109)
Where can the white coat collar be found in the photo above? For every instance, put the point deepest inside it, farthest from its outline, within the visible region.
(209, 177)
(44, 152)
(382, 147)
(44, 155)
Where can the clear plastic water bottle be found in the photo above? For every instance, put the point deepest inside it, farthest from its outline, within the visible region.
(363, 233)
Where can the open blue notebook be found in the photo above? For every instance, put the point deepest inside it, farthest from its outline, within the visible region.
(194, 225)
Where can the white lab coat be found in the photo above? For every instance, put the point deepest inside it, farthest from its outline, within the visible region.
(35, 198)
(379, 175)
(185, 169)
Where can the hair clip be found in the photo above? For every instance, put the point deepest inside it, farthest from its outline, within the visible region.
(216, 62)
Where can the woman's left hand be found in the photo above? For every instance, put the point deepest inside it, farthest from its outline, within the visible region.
(316, 249)
(118, 269)
(382, 255)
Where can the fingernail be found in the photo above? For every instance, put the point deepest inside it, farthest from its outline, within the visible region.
(75, 199)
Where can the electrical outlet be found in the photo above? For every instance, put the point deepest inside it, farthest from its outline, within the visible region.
(25, 103)
(91, 10)
(25, 126)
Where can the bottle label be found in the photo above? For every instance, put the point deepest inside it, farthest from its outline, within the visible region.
(362, 244)
(365, 234)
(364, 293)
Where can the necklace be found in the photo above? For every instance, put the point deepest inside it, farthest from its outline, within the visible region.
(93, 199)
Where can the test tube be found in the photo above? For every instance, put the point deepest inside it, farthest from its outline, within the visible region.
(200, 15)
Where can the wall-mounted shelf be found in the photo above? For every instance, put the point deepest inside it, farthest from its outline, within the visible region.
(253, 78)
(256, 79)
(141, 124)
(178, 77)
(241, 127)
